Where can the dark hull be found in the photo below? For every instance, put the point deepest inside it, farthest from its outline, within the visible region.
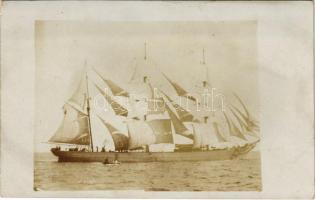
(218, 154)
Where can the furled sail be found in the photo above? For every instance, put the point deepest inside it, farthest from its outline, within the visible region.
(162, 130)
(74, 128)
(120, 140)
(140, 134)
(115, 89)
(234, 131)
(179, 90)
(117, 108)
(178, 125)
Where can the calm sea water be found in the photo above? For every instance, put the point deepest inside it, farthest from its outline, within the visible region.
(241, 174)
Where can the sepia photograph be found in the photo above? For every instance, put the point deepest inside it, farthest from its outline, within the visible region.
(157, 99)
(154, 106)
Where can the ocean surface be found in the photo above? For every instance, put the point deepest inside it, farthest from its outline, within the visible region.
(242, 174)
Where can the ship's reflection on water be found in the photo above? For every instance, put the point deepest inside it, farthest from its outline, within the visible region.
(229, 175)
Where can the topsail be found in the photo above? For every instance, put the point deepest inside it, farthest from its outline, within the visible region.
(155, 103)
(117, 108)
(79, 97)
(115, 89)
(179, 90)
(178, 125)
(183, 114)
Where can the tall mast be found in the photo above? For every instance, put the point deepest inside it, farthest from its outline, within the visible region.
(204, 62)
(88, 110)
(203, 56)
(145, 51)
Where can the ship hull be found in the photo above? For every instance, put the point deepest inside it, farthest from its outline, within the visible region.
(128, 157)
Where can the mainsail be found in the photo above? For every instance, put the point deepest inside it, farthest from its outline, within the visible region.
(140, 134)
(117, 108)
(218, 133)
(202, 136)
(120, 140)
(162, 130)
(74, 128)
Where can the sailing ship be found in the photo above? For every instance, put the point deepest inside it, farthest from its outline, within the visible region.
(151, 126)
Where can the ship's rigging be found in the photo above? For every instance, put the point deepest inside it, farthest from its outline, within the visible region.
(162, 121)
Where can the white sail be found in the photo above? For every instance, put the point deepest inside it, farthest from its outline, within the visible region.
(120, 140)
(179, 90)
(179, 127)
(116, 107)
(140, 134)
(115, 88)
(80, 95)
(234, 130)
(162, 130)
(182, 114)
(155, 102)
(152, 119)
(204, 135)
(74, 128)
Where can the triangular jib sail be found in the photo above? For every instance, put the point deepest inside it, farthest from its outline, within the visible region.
(234, 131)
(74, 128)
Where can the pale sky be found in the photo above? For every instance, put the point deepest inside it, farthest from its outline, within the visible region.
(115, 48)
